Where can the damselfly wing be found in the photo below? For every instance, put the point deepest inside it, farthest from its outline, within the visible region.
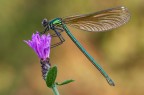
(100, 21)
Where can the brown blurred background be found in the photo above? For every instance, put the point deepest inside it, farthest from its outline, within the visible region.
(120, 51)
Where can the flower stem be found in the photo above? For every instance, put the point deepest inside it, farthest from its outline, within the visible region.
(55, 90)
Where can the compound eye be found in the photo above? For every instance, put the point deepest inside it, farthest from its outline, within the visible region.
(44, 22)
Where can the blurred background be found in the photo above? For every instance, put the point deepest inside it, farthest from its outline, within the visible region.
(120, 52)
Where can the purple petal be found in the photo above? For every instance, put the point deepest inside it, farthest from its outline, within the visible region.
(40, 44)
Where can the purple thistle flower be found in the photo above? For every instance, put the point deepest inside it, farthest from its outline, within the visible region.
(40, 44)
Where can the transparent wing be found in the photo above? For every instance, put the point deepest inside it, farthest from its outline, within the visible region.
(100, 21)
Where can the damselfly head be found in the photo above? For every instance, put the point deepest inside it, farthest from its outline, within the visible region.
(45, 22)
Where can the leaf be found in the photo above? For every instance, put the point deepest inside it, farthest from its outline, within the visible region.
(51, 76)
(65, 82)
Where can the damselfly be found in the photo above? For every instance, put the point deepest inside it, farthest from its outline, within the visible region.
(94, 22)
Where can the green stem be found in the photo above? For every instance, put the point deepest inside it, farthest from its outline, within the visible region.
(55, 90)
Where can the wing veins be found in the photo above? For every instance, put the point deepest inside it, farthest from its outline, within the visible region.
(100, 21)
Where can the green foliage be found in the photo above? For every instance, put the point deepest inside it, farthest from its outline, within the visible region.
(51, 76)
(65, 82)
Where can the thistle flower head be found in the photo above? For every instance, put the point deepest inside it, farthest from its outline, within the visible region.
(40, 44)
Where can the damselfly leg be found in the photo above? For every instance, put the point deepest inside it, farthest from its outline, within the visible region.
(58, 34)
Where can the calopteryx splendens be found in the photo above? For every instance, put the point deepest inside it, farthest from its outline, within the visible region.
(95, 22)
